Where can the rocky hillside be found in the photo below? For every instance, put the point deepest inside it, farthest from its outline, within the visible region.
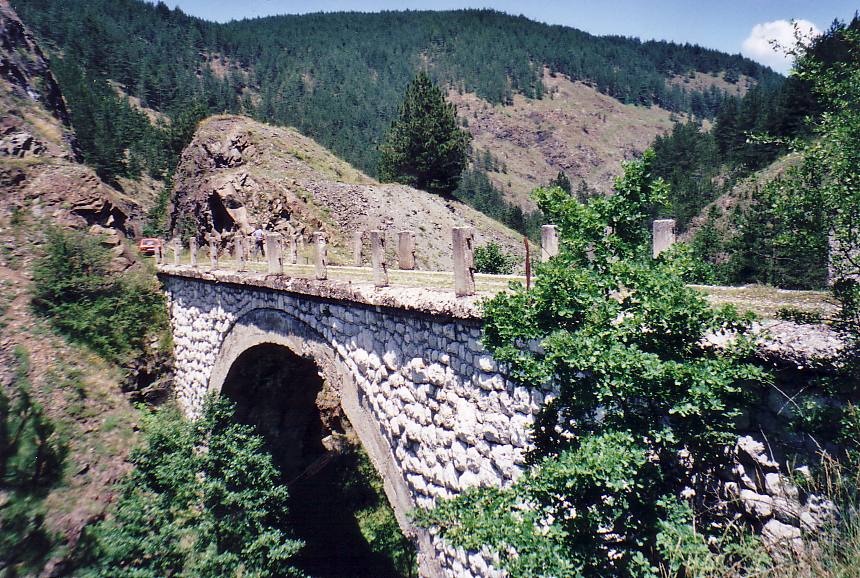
(39, 170)
(574, 129)
(41, 373)
(237, 174)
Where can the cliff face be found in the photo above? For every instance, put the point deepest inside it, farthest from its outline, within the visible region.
(25, 69)
(40, 170)
(238, 174)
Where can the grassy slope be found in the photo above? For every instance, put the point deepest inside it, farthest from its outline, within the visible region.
(80, 392)
(738, 197)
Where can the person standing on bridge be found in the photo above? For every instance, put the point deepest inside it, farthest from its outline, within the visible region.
(259, 236)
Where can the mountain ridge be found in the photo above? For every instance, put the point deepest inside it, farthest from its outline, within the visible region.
(343, 93)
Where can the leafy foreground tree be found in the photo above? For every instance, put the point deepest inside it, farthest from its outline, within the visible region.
(203, 500)
(425, 148)
(621, 477)
(832, 161)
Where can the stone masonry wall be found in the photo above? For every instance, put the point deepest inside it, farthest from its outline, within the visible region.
(449, 418)
(442, 416)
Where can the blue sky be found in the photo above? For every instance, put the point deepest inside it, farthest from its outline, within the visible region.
(729, 25)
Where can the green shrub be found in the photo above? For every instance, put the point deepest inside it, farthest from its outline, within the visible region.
(204, 499)
(490, 258)
(798, 316)
(114, 314)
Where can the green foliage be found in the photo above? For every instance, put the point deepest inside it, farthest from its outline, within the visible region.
(114, 314)
(797, 315)
(832, 160)
(490, 258)
(31, 463)
(114, 138)
(736, 552)
(639, 403)
(362, 489)
(203, 500)
(424, 148)
(156, 219)
(782, 236)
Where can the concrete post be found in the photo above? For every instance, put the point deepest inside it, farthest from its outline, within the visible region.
(213, 252)
(406, 250)
(548, 242)
(357, 247)
(377, 258)
(192, 248)
(177, 250)
(663, 235)
(464, 265)
(294, 252)
(239, 250)
(273, 254)
(321, 255)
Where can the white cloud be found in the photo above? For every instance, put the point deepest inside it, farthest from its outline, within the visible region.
(758, 45)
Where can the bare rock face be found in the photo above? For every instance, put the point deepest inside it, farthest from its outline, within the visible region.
(238, 174)
(25, 69)
(39, 168)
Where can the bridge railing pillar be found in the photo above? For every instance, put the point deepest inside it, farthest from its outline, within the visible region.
(294, 251)
(663, 236)
(192, 250)
(213, 252)
(406, 250)
(273, 254)
(357, 248)
(239, 252)
(548, 242)
(176, 245)
(321, 255)
(377, 258)
(463, 241)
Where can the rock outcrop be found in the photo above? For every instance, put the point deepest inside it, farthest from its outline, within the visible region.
(40, 170)
(238, 174)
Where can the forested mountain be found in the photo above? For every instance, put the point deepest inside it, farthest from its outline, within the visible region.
(336, 77)
(732, 174)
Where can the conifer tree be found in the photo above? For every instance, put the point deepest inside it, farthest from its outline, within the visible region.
(424, 147)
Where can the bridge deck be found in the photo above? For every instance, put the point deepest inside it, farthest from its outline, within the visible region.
(419, 289)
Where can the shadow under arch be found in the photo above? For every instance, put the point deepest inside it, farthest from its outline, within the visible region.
(273, 337)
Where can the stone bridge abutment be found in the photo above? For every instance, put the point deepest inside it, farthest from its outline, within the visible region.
(407, 370)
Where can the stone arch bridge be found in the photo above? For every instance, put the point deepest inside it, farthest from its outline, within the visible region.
(405, 366)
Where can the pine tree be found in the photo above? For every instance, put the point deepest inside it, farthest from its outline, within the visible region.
(562, 181)
(424, 148)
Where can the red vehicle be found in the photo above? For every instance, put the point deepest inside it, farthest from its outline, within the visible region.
(149, 246)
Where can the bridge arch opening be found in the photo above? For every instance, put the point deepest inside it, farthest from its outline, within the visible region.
(287, 397)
